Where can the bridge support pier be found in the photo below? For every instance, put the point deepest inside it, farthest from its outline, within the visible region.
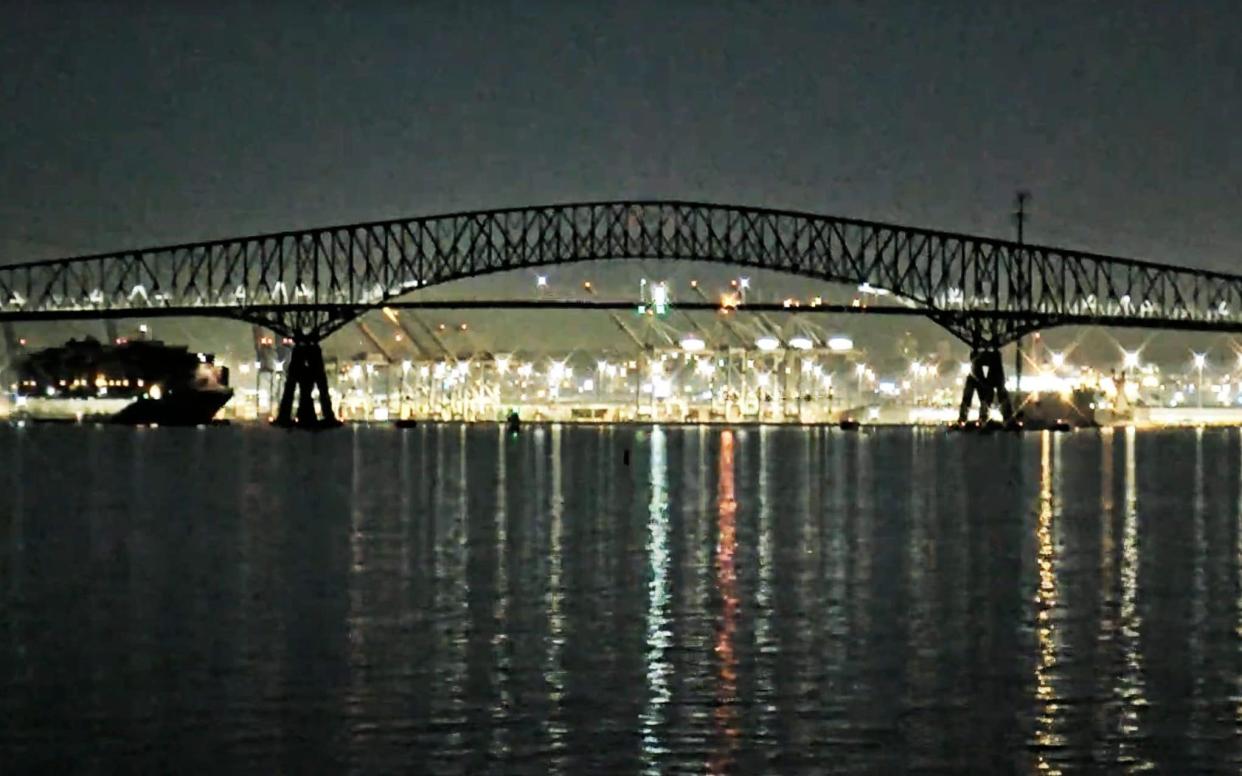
(305, 375)
(986, 380)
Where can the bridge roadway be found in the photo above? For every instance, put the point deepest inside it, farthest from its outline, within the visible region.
(306, 284)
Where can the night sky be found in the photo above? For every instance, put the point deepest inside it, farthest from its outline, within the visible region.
(131, 124)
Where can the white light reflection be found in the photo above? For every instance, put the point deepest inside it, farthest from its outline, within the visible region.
(1107, 540)
(501, 650)
(1047, 637)
(451, 589)
(659, 635)
(764, 642)
(922, 657)
(356, 618)
(1198, 603)
(554, 671)
(1132, 689)
(1237, 564)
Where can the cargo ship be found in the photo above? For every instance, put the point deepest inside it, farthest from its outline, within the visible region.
(143, 382)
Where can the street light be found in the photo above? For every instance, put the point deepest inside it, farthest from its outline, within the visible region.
(916, 369)
(1129, 360)
(692, 344)
(659, 298)
(1200, 362)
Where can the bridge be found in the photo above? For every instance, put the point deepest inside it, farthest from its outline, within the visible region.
(306, 284)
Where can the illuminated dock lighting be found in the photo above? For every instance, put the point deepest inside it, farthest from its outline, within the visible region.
(541, 281)
(801, 343)
(692, 344)
(1058, 360)
(659, 298)
(556, 372)
(767, 343)
(1130, 358)
(840, 344)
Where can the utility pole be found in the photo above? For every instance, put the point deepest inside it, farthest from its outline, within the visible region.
(1020, 218)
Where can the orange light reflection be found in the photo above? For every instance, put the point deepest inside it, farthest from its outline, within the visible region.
(726, 717)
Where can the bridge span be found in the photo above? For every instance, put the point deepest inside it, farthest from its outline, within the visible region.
(305, 284)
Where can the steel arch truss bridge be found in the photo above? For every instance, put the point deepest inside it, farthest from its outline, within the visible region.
(305, 284)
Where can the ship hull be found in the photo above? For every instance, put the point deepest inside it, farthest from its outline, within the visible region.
(182, 408)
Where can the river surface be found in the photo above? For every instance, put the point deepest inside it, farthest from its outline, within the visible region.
(619, 600)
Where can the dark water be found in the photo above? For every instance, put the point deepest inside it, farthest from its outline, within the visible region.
(450, 600)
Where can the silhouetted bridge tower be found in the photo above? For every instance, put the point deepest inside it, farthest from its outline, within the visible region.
(306, 284)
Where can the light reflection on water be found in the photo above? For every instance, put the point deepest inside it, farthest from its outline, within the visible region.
(726, 712)
(659, 636)
(459, 600)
